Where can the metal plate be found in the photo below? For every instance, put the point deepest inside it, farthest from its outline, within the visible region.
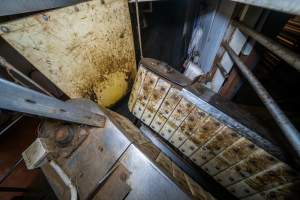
(147, 181)
(86, 50)
(12, 7)
(115, 187)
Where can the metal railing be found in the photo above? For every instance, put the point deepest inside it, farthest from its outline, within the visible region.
(279, 50)
(288, 129)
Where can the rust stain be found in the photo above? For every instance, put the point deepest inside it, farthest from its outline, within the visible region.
(86, 50)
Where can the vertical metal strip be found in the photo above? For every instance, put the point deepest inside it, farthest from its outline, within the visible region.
(288, 129)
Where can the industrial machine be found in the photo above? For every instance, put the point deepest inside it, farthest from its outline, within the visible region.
(184, 139)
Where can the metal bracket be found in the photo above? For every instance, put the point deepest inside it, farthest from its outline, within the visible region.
(37, 153)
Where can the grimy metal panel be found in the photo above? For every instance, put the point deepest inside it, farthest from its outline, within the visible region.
(117, 160)
(86, 50)
(18, 98)
(225, 141)
(287, 6)
(12, 7)
(94, 159)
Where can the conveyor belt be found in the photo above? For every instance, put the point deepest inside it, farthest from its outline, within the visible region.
(214, 134)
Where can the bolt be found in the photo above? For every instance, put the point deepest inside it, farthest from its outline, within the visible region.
(63, 135)
(76, 8)
(4, 29)
(169, 70)
(45, 17)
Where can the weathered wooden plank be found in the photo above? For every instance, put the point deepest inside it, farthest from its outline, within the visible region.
(86, 50)
(136, 87)
(144, 95)
(158, 94)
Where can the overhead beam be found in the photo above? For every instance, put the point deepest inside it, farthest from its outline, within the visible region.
(17, 98)
(286, 6)
(278, 49)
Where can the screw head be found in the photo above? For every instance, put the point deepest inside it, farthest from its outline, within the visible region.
(63, 135)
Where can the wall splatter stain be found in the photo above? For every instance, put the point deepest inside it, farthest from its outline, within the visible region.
(86, 50)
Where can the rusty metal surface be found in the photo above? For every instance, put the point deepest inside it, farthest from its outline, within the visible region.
(225, 141)
(86, 50)
(171, 168)
(78, 159)
(114, 162)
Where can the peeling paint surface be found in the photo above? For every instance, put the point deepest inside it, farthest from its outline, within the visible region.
(86, 50)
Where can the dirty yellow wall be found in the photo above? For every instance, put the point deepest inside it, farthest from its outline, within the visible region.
(86, 50)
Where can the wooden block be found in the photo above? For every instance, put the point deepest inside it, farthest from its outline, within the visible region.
(178, 138)
(168, 129)
(254, 163)
(130, 130)
(238, 151)
(192, 121)
(148, 115)
(150, 150)
(202, 155)
(158, 94)
(210, 126)
(170, 102)
(179, 177)
(255, 197)
(226, 177)
(188, 147)
(147, 87)
(181, 111)
(288, 191)
(241, 189)
(158, 122)
(144, 94)
(215, 165)
(279, 174)
(214, 146)
(222, 140)
(197, 191)
(138, 109)
(205, 132)
(136, 87)
(165, 163)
